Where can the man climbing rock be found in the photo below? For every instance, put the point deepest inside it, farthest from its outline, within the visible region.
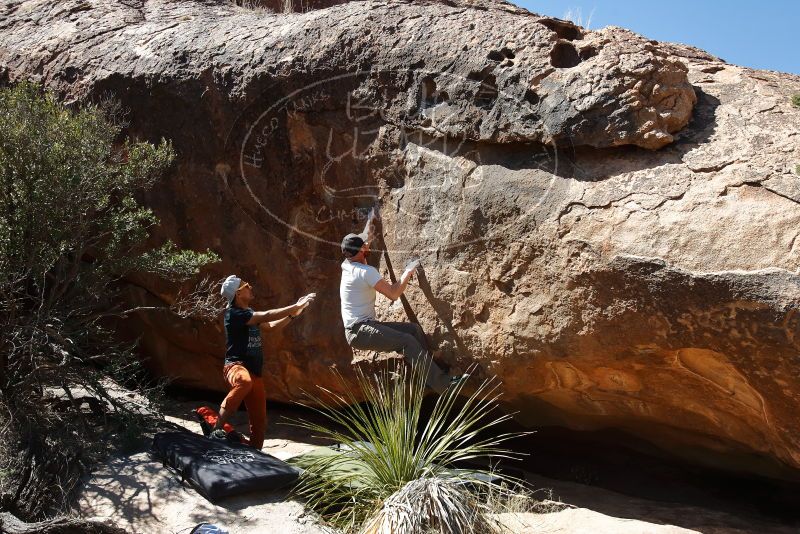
(244, 358)
(357, 291)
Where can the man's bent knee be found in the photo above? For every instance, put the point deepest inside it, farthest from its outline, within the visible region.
(419, 333)
(408, 340)
(412, 349)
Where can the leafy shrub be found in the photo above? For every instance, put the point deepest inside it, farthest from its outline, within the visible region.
(796, 100)
(71, 230)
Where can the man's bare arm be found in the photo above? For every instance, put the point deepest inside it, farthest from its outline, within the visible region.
(393, 291)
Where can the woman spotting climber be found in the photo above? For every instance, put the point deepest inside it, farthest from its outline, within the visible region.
(243, 356)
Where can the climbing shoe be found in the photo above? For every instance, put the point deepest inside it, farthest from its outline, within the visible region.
(206, 428)
(218, 434)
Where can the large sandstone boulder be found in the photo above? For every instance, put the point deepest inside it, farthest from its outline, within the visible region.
(606, 223)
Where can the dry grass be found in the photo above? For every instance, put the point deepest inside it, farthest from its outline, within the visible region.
(439, 504)
(449, 506)
(529, 511)
(252, 5)
(576, 17)
(284, 6)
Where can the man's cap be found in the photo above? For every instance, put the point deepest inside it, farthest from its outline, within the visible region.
(230, 286)
(352, 243)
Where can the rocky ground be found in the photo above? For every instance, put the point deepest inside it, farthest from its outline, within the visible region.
(136, 493)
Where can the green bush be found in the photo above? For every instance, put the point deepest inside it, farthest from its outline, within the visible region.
(71, 230)
(398, 473)
(796, 100)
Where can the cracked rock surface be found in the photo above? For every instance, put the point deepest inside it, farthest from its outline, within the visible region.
(606, 223)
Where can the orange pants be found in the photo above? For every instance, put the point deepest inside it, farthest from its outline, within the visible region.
(250, 389)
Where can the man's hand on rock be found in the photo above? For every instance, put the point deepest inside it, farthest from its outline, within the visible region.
(374, 215)
(370, 229)
(409, 271)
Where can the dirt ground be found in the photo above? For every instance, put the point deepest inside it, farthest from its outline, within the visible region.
(137, 493)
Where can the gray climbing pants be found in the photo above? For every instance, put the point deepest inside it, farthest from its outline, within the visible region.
(405, 338)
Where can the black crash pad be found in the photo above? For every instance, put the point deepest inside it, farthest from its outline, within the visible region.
(220, 469)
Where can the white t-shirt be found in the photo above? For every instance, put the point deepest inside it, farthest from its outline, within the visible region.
(357, 292)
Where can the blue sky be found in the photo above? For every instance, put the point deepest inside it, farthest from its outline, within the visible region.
(761, 34)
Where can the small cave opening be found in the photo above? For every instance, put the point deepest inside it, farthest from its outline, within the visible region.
(587, 52)
(487, 92)
(428, 88)
(429, 94)
(564, 55)
(500, 55)
(531, 97)
(71, 74)
(480, 75)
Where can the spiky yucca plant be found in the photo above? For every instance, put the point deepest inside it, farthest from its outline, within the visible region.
(394, 474)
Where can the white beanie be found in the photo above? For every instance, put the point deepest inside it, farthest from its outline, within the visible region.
(230, 286)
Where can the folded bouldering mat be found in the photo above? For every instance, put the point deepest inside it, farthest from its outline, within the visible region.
(220, 469)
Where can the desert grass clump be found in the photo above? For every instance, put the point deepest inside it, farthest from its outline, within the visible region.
(429, 503)
(252, 5)
(397, 472)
